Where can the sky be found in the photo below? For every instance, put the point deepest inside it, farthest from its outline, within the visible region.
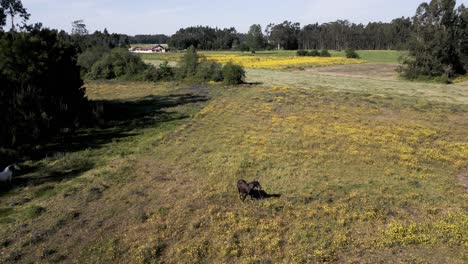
(166, 17)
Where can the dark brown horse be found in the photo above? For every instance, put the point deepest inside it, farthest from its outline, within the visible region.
(246, 189)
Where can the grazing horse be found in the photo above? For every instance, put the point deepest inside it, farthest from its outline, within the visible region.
(245, 189)
(7, 174)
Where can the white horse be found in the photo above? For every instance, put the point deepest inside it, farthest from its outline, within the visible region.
(7, 174)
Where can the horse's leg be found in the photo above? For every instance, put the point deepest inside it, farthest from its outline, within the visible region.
(244, 196)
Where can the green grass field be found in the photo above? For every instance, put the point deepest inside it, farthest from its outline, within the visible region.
(362, 167)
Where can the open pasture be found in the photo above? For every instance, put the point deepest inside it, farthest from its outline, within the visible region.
(357, 176)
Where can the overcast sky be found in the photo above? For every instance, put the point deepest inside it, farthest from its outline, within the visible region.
(156, 16)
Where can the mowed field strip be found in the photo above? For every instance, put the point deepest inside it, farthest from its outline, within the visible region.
(361, 78)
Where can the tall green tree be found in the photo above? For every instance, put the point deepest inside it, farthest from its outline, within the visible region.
(13, 9)
(255, 38)
(204, 38)
(188, 64)
(41, 90)
(463, 34)
(435, 48)
(284, 35)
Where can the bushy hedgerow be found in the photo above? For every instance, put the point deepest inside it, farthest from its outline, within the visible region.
(311, 53)
(209, 71)
(302, 53)
(153, 74)
(89, 57)
(325, 53)
(314, 53)
(351, 54)
(118, 64)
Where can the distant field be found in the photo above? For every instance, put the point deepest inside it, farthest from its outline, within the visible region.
(380, 56)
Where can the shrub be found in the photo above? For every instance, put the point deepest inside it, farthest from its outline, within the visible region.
(325, 53)
(314, 53)
(233, 74)
(119, 64)
(154, 74)
(102, 69)
(302, 53)
(89, 57)
(188, 64)
(166, 72)
(209, 71)
(351, 54)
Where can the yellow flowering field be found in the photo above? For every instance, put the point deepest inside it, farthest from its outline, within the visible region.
(277, 62)
(257, 61)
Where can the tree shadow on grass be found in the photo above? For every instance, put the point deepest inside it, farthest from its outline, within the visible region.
(118, 119)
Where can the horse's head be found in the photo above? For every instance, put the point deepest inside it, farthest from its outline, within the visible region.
(256, 185)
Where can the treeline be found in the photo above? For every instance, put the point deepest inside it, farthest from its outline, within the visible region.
(342, 34)
(291, 36)
(205, 38)
(149, 39)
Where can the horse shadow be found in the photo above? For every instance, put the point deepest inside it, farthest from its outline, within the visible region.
(262, 195)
